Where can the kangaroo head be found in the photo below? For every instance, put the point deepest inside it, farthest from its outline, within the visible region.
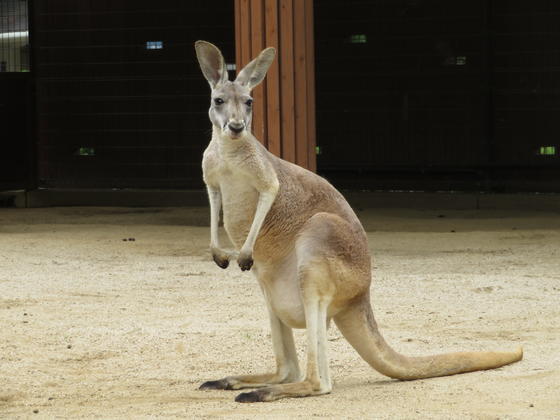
(231, 104)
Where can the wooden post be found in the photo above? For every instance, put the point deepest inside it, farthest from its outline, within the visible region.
(284, 107)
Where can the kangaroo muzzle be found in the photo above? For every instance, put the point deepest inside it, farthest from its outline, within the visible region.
(235, 127)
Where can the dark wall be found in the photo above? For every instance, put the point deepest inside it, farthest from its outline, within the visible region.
(437, 94)
(16, 125)
(526, 81)
(112, 113)
(411, 94)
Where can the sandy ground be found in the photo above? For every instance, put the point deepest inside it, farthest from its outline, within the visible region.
(97, 327)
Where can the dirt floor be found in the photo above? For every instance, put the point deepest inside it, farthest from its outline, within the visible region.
(120, 313)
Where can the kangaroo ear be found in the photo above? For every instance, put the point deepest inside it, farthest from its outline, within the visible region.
(211, 62)
(253, 73)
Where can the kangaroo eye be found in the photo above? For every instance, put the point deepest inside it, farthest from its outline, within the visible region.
(249, 102)
(218, 101)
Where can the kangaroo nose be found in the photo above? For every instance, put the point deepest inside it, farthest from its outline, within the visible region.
(236, 127)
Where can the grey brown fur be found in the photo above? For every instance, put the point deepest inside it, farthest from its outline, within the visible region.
(304, 244)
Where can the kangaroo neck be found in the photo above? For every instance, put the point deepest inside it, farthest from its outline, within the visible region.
(234, 147)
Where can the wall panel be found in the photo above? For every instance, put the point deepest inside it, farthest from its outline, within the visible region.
(284, 110)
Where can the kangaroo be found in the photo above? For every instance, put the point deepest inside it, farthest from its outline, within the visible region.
(305, 246)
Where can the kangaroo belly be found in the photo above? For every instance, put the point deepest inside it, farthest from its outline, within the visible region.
(287, 305)
(282, 292)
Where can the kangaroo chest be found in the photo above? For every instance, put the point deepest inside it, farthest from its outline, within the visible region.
(239, 203)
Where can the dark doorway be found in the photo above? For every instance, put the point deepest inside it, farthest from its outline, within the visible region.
(16, 123)
(16, 100)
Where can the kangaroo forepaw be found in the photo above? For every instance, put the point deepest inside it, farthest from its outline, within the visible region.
(222, 257)
(245, 259)
(220, 261)
(245, 262)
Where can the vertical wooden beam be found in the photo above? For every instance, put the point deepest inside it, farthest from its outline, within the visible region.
(238, 33)
(259, 93)
(243, 49)
(310, 82)
(284, 110)
(272, 80)
(286, 58)
(300, 83)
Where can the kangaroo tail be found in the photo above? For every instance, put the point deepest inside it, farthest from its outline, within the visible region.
(358, 326)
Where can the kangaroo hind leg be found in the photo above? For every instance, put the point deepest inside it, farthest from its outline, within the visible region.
(317, 380)
(317, 287)
(287, 367)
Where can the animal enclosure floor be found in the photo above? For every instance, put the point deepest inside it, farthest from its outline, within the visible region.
(120, 313)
